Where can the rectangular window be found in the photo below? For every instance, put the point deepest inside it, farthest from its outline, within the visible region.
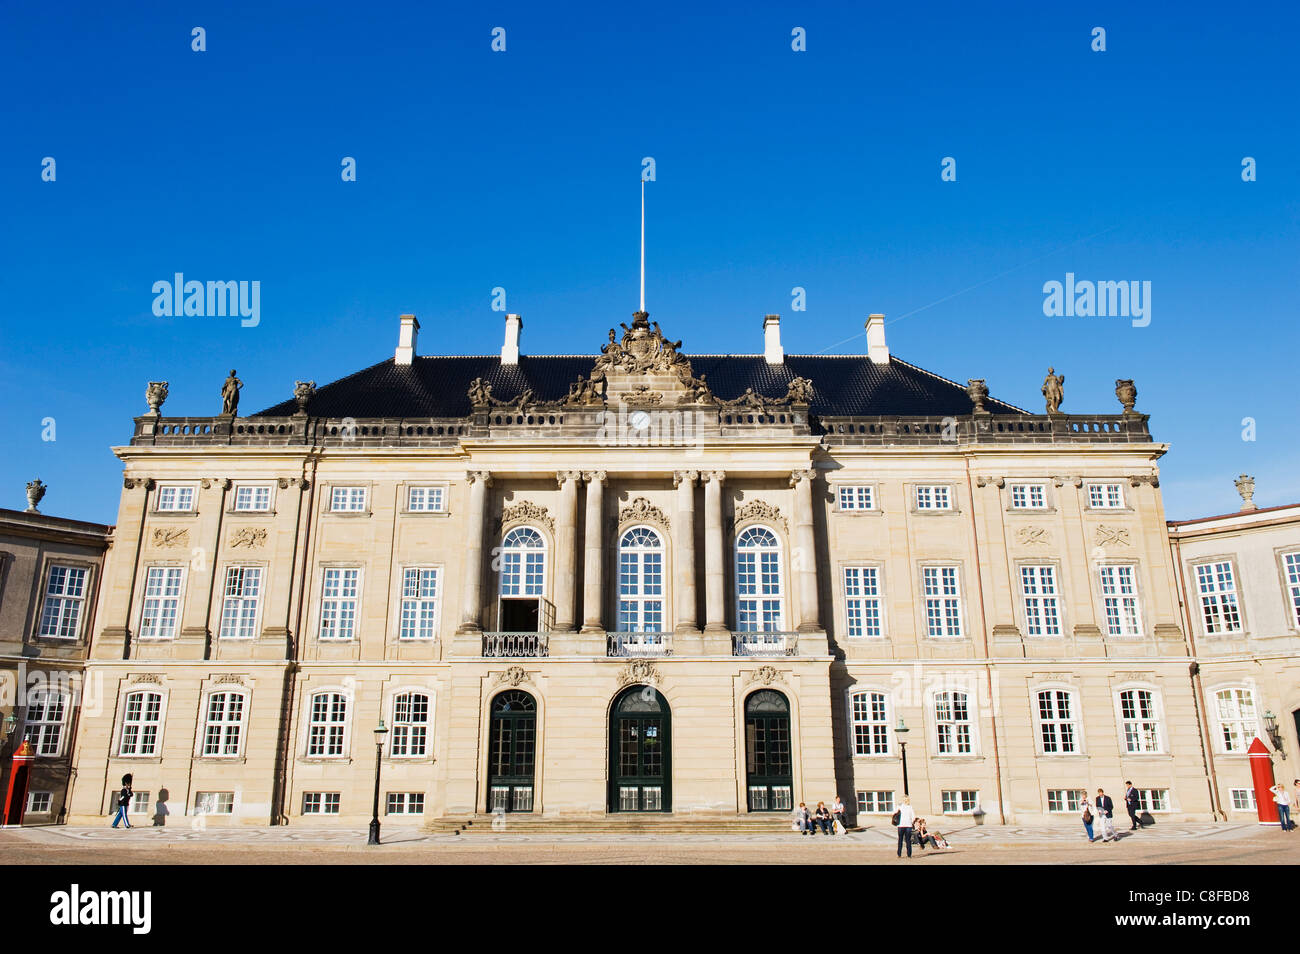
(1153, 799)
(139, 803)
(1056, 722)
(214, 803)
(1119, 596)
(1243, 800)
(932, 497)
(329, 715)
(46, 712)
(1235, 712)
(1218, 592)
(1065, 799)
(952, 723)
(141, 724)
(65, 593)
(424, 500)
(239, 606)
(1291, 561)
(225, 720)
(410, 725)
(419, 603)
(960, 802)
(338, 605)
(406, 803)
(173, 498)
(875, 803)
(348, 500)
(1140, 723)
(253, 499)
(162, 602)
(320, 803)
(942, 601)
(856, 498)
(1105, 496)
(39, 803)
(1028, 496)
(870, 716)
(862, 601)
(1042, 612)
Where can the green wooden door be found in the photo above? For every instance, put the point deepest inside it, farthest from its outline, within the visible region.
(767, 752)
(512, 744)
(640, 752)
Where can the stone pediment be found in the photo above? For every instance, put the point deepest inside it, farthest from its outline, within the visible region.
(645, 368)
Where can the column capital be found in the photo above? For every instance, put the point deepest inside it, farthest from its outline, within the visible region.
(714, 476)
(687, 476)
(808, 474)
(479, 475)
(594, 476)
(564, 476)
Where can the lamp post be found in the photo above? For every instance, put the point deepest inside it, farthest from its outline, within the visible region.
(381, 732)
(901, 731)
(1274, 736)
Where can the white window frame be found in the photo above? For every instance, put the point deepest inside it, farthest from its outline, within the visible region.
(1027, 495)
(405, 726)
(159, 600)
(340, 604)
(950, 732)
(960, 807)
(412, 604)
(864, 598)
(855, 498)
(873, 805)
(70, 606)
(39, 730)
(1129, 621)
(1217, 598)
(871, 725)
(214, 803)
(518, 577)
(244, 625)
(1070, 798)
(1157, 718)
(31, 803)
(1236, 718)
(1100, 496)
(426, 492)
(225, 727)
(349, 498)
(1040, 600)
(322, 804)
(404, 802)
(638, 600)
(139, 802)
(142, 724)
(932, 498)
(324, 739)
(1073, 723)
(253, 489)
(762, 600)
(939, 574)
(1250, 805)
(1291, 577)
(1145, 800)
(169, 498)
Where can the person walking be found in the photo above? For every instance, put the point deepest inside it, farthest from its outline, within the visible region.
(123, 802)
(1283, 799)
(837, 813)
(1088, 816)
(1132, 802)
(1105, 810)
(905, 818)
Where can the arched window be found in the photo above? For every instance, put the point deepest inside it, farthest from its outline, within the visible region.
(523, 581)
(869, 714)
(1058, 722)
(640, 581)
(410, 725)
(1237, 718)
(760, 606)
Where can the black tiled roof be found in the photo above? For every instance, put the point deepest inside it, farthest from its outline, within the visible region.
(439, 386)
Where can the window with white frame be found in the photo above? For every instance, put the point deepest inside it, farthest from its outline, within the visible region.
(640, 581)
(869, 712)
(1120, 600)
(242, 593)
(326, 730)
(1217, 590)
(1105, 496)
(139, 802)
(405, 803)
(347, 499)
(160, 609)
(338, 604)
(933, 497)
(223, 724)
(214, 803)
(65, 595)
(39, 803)
(141, 724)
(857, 497)
(942, 601)
(1139, 721)
(1028, 496)
(410, 735)
(47, 712)
(419, 603)
(175, 498)
(952, 723)
(426, 499)
(862, 601)
(1291, 565)
(1057, 722)
(760, 604)
(960, 802)
(875, 803)
(253, 498)
(1065, 799)
(1237, 718)
(1042, 609)
(1153, 799)
(1243, 799)
(523, 563)
(320, 803)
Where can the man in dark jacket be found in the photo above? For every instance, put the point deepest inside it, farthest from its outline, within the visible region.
(123, 802)
(1132, 802)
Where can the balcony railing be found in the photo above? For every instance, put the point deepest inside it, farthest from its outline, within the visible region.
(515, 644)
(639, 644)
(765, 644)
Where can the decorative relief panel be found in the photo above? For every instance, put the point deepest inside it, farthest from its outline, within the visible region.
(1105, 536)
(760, 511)
(513, 676)
(640, 671)
(1033, 535)
(767, 675)
(525, 512)
(171, 537)
(248, 537)
(641, 510)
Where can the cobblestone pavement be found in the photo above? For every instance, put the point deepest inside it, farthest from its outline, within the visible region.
(1173, 844)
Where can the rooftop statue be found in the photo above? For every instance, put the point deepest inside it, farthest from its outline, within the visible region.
(230, 395)
(1054, 391)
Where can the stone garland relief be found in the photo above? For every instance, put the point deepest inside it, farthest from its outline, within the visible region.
(765, 675)
(248, 537)
(513, 676)
(641, 510)
(1106, 536)
(640, 671)
(761, 511)
(171, 537)
(525, 512)
(1033, 535)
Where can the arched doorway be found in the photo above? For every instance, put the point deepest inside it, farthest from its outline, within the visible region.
(512, 745)
(640, 752)
(768, 774)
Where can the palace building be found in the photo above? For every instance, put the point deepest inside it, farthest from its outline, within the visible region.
(641, 582)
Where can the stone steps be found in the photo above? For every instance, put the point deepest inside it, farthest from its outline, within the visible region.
(640, 823)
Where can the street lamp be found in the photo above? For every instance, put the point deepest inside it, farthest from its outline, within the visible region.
(1274, 736)
(381, 732)
(901, 731)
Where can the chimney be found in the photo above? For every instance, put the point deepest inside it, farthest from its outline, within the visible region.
(772, 349)
(406, 340)
(510, 350)
(877, 350)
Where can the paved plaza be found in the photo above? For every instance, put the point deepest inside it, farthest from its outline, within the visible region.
(1225, 844)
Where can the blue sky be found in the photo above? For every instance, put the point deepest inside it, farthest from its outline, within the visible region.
(775, 169)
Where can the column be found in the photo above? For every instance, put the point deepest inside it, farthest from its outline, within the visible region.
(566, 545)
(715, 613)
(684, 578)
(805, 555)
(593, 566)
(472, 594)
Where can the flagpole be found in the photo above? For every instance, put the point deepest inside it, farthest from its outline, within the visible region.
(643, 243)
